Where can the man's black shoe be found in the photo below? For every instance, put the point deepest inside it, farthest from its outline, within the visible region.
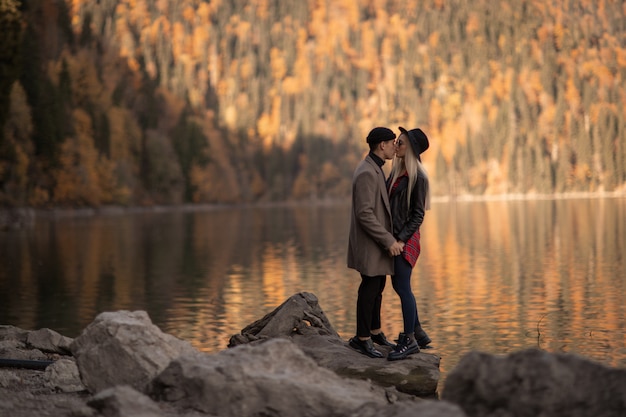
(404, 348)
(381, 340)
(365, 347)
(422, 338)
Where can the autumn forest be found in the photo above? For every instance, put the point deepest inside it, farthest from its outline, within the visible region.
(145, 102)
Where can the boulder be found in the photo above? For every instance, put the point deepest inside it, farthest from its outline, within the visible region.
(300, 314)
(26, 345)
(301, 319)
(426, 408)
(124, 348)
(16, 350)
(416, 375)
(8, 332)
(9, 345)
(124, 401)
(535, 383)
(49, 341)
(274, 378)
(63, 375)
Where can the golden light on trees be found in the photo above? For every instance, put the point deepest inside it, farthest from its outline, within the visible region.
(272, 73)
(572, 95)
(277, 64)
(433, 40)
(200, 40)
(262, 8)
(473, 24)
(448, 139)
(77, 180)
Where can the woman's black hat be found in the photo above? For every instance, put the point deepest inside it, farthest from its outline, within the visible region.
(418, 140)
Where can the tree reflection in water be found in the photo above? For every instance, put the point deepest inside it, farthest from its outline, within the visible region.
(495, 276)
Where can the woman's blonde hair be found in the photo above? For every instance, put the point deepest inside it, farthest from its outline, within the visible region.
(413, 166)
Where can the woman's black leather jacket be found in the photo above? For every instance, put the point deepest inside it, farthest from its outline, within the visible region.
(406, 220)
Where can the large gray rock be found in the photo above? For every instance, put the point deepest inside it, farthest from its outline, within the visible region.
(274, 378)
(16, 350)
(63, 375)
(48, 340)
(301, 319)
(124, 348)
(535, 383)
(426, 408)
(8, 332)
(300, 314)
(417, 375)
(124, 401)
(16, 343)
(13, 344)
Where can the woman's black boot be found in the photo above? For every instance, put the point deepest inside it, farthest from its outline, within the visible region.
(422, 338)
(404, 348)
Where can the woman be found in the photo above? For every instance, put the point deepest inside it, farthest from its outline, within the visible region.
(409, 198)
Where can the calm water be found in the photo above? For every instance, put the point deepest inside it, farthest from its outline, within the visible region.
(495, 276)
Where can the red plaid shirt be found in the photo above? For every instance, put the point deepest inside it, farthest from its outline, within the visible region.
(412, 247)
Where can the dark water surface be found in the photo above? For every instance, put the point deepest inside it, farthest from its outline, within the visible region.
(495, 276)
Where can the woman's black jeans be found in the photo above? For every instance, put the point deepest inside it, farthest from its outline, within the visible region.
(401, 281)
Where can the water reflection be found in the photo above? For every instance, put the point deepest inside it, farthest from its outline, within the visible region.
(506, 275)
(496, 276)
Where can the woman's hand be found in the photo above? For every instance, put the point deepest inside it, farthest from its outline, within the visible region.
(396, 248)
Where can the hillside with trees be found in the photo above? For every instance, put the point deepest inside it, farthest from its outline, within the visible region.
(141, 102)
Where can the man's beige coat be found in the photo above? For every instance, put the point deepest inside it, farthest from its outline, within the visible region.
(370, 225)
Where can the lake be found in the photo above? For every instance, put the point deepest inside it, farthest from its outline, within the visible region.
(495, 276)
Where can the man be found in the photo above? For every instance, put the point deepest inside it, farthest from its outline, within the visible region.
(371, 245)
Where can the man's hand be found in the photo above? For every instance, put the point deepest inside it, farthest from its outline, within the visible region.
(396, 248)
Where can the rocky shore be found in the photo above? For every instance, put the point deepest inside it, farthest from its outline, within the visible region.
(290, 362)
